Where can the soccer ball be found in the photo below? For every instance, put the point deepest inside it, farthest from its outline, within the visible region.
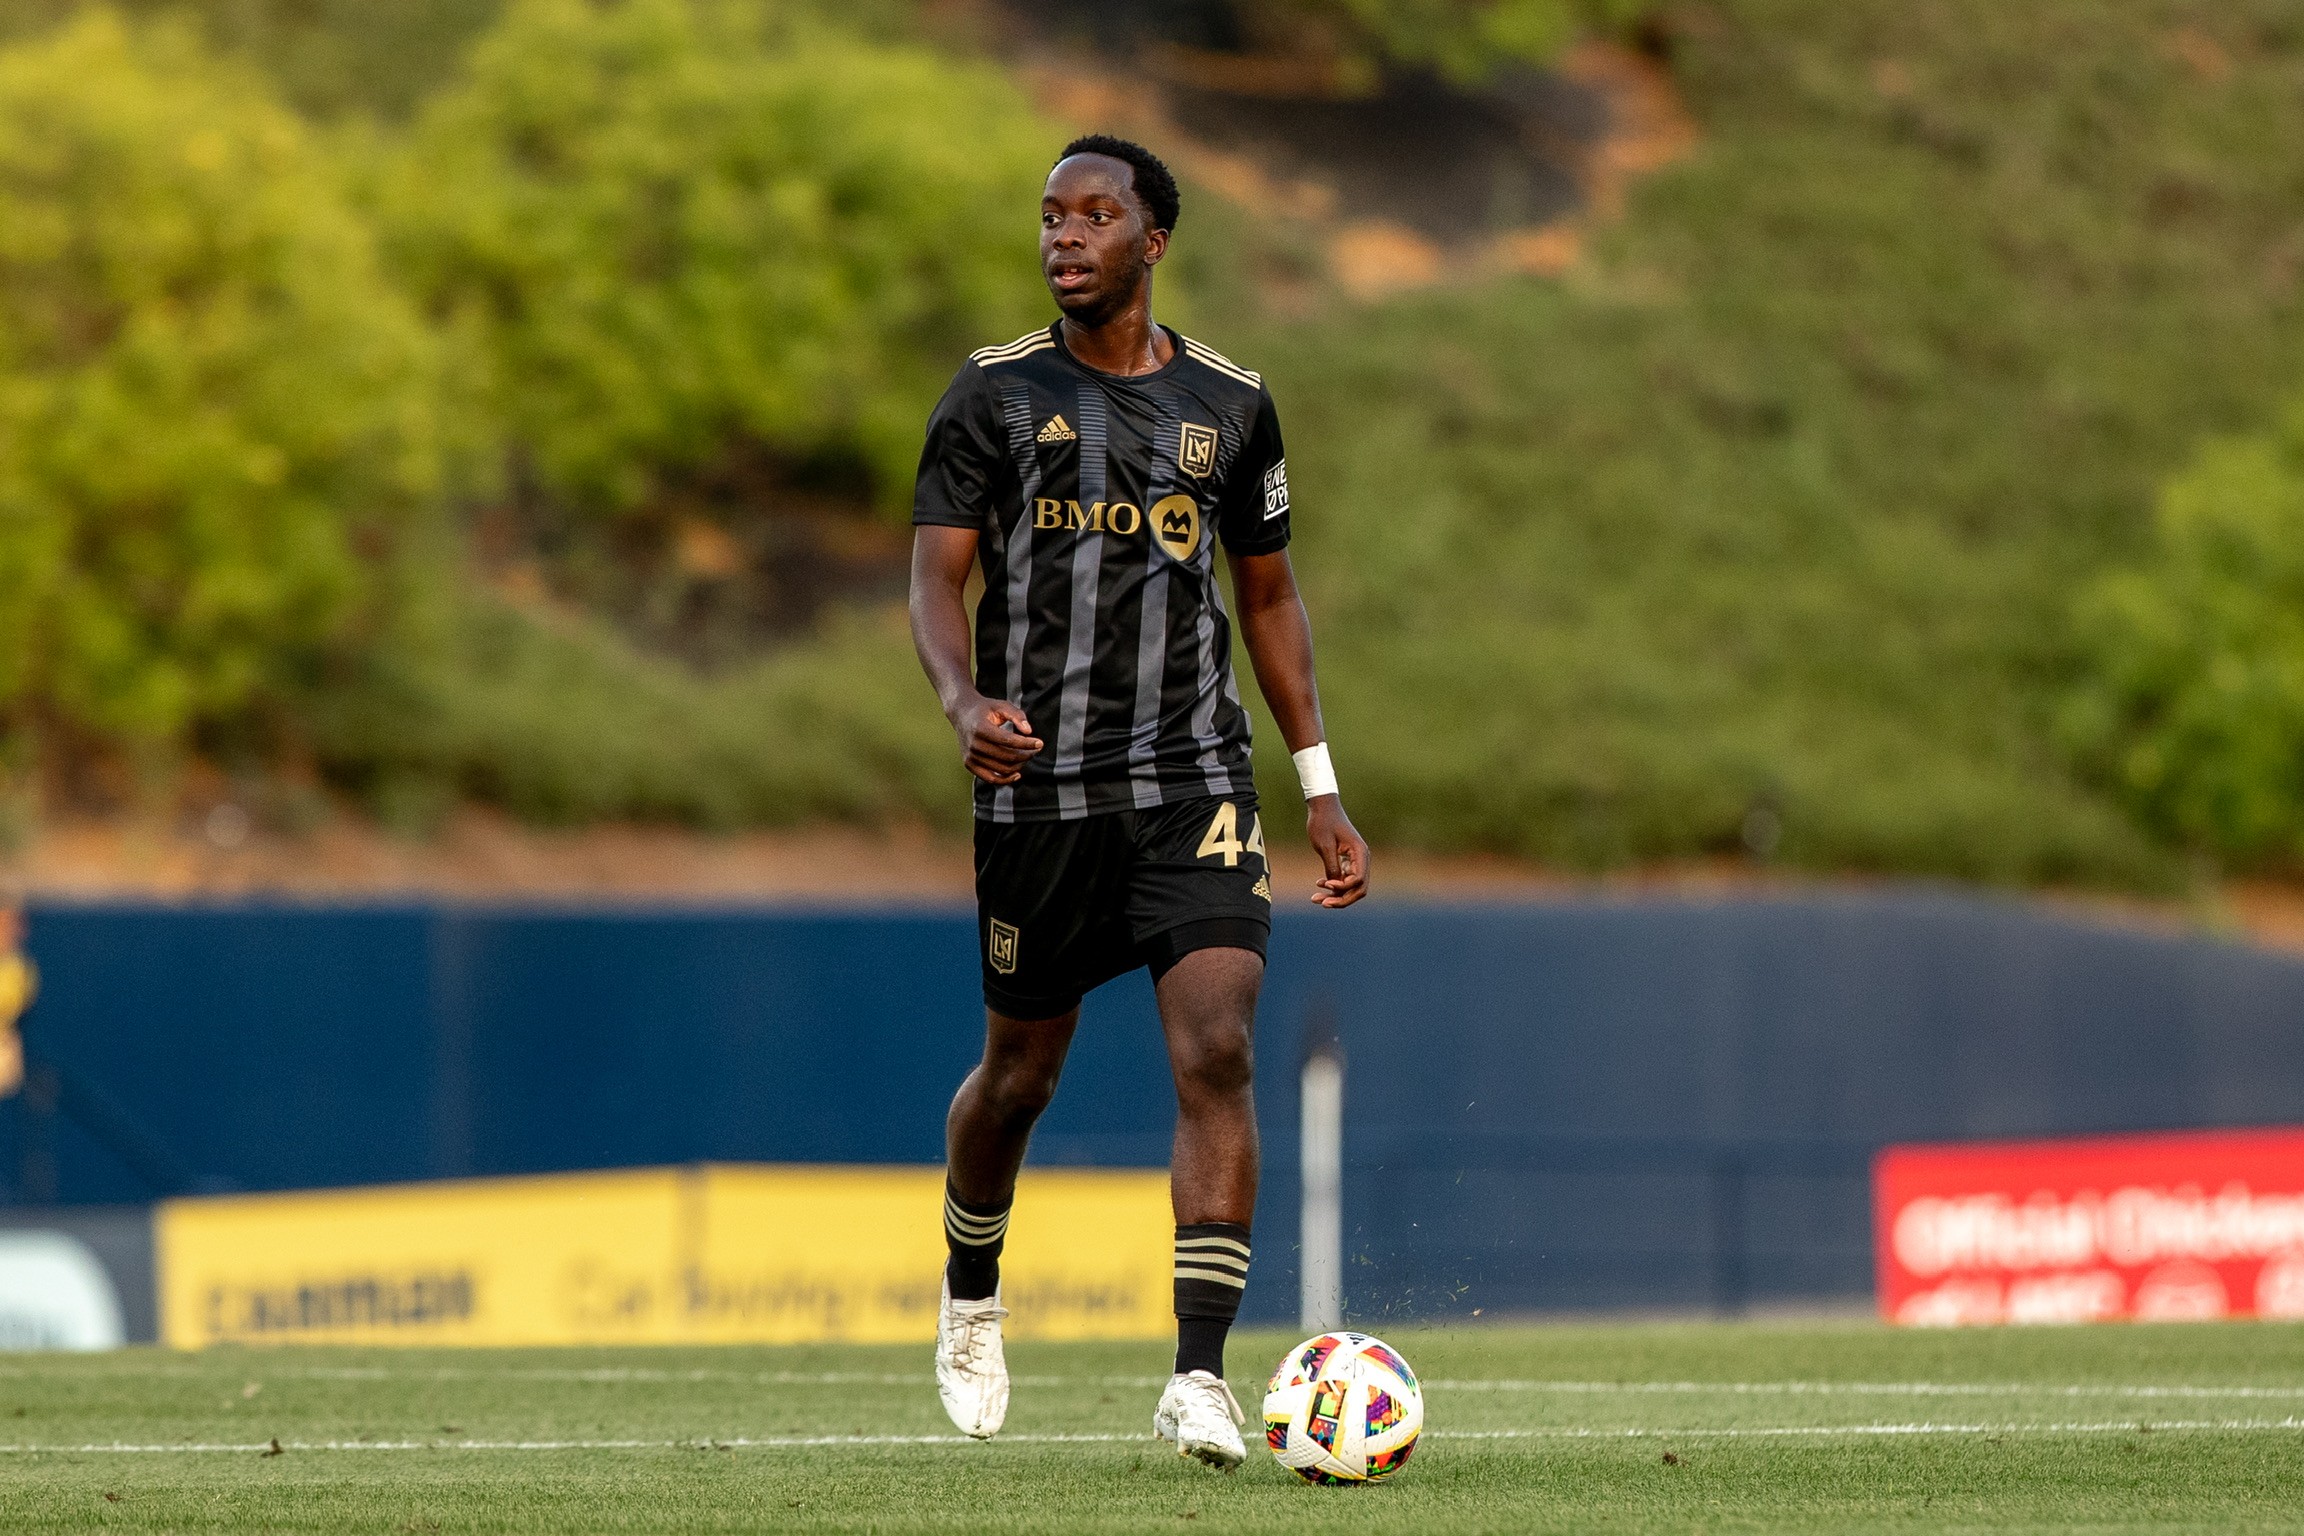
(1343, 1409)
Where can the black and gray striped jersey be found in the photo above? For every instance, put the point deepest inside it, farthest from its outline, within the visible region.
(1100, 500)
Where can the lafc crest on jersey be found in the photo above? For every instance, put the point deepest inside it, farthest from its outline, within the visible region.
(1058, 430)
(1001, 948)
(1196, 450)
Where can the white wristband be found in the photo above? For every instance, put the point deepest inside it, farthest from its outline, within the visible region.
(1315, 772)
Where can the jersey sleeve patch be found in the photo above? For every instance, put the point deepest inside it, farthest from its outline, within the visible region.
(1276, 490)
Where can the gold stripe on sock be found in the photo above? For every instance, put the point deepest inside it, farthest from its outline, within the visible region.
(1212, 1243)
(956, 1217)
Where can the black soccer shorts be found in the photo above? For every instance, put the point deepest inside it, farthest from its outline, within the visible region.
(1064, 906)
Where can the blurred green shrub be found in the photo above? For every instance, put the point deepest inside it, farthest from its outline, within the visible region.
(2195, 709)
(328, 58)
(669, 230)
(1770, 515)
(556, 718)
(216, 413)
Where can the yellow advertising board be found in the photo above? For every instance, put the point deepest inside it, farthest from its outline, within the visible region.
(720, 1253)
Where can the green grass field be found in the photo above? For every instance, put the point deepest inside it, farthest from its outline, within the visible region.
(1617, 1428)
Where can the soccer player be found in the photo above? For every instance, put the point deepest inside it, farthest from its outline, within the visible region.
(1091, 469)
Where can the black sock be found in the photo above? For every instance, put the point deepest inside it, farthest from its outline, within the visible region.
(1211, 1272)
(975, 1234)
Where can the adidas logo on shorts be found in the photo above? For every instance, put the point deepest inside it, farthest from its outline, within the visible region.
(1058, 430)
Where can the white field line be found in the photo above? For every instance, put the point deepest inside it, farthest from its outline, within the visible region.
(780, 1442)
(254, 1367)
(246, 1365)
(1869, 1389)
(615, 1374)
(1779, 1431)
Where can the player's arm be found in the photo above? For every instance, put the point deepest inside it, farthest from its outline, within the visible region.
(1278, 635)
(953, 500)
(995, 738)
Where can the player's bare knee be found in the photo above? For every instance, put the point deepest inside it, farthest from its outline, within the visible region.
(1017, 1091)
(1024, 1096)
(1215, 1063)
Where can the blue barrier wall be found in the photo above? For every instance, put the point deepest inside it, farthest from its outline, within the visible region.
(1645, 1102)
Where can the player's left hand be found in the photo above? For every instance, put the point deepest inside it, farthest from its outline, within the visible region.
(1343, 852)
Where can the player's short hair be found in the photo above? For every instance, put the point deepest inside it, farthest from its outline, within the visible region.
(1155, 188)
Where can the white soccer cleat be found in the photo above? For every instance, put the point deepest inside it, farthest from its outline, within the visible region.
(971, 1369)
(1199, 1416)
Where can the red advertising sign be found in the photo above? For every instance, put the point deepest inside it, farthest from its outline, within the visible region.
(2192, 1225)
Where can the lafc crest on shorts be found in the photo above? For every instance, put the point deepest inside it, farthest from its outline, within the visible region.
(1002, 948)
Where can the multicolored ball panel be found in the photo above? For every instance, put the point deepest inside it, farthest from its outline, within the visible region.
(1310, 1358)
(1384, 1355)
(1320, 1479)
(1327, 1413)
(1344, 1410)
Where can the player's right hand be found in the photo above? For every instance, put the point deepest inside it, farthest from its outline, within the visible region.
(995, 739)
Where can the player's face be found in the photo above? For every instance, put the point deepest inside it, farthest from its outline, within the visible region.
(1094, 249)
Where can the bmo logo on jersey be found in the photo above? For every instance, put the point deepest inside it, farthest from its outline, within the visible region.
(1174, 520)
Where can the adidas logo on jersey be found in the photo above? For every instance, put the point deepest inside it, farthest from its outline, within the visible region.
(1058, 430)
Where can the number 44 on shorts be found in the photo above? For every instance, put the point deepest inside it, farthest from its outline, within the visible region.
(1223, 837)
